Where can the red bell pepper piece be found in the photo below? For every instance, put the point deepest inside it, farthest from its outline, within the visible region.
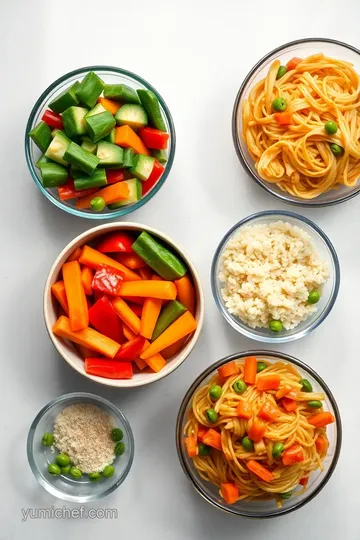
(156, 173)
(109, 369)
(154, 138)
(115, 175)
(116, 242)
(103, 318)
(52, 119)
(68, 191)
(107, 280)
(130, 350)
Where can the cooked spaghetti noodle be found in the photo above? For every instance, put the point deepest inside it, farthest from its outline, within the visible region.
(293, 149)
(285, 437)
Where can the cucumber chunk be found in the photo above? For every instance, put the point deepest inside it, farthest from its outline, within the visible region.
(129, 155)
(66, 99)
(151, 105)
(143, 166)
(168, 315)
(96, 110)
(160, 155)
(121, 92)
(58, 147)
(100, 125)
(84, 181)
(90, 89)
(109, 154)
(53, 175)
(41, 135)
(88, 145)
(135, 194)
(111, 137)
(80, 158)
(74, 121)
(42, 159)
(133, 115)
(158, 257)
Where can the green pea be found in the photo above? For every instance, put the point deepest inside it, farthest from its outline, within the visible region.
(119, 449)
(314, 297)
(314, 404)
(275, 326)
(94, 476)
(247, 444)
(285, 495)
(108, 471)
(239, 386)
(281, 72)
(75, 472)
(261, 366)
(97, 204)
(306, 385)
(330, 127)
(66, 469)
(278, 448)
(204, 450)
(279, 104)
(336, 149)
(47, 439)
(212, 416)
(117, 434)
(215, 391)
(62, 460)
(54, 469)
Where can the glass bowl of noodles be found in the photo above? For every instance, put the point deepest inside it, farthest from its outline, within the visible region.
(261, 448)
(296, 120)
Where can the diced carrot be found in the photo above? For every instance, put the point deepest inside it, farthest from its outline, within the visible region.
(164, 290)
(201, 432)
(268, 382)
(109, 105)
(184, 325)
(191, 446)
(321, 419)
(257, 430)
(58, 290)
(127, 315)
(86, 279)
(87, 337)
(93, 259)
(256, 468)
(173, 349)
(130, 260)
(145, 273)
(110, 194)
(186, 293)
(289, 404)
(129, 334)
(304, 481)
(294, 454)
(229, 492)
(269, 412)
(293, 63)
(75, 255)
(321, 444)
(212, 438)
(150, 314)
(283, 119)
(78, 310)
(244, 409)
(227, 370)
(250, 369)
(127, 138)
(283, 391)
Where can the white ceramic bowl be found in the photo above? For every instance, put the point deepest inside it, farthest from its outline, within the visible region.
(67, 350)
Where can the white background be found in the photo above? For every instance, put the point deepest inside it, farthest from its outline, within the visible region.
(196, 54)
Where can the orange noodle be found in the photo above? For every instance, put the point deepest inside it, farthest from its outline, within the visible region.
(293, 149)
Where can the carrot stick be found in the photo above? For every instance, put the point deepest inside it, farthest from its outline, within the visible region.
(58, 290)
(141, 364)
(86, 337)
(173, 349)
(129, 334)
(269, 412)
(250, 369)
(283, 391)
(86, 279)
(109, 105)
(268, 382)
(78, 310)
(184, 325)
(257, 430)
(186, 293)
(293, 63)
(150, 314)
(260, 471)
(321, 419)
(130, 260)
(212, 438)
(85, 352)
(227, 370)
(244, 409)
(75, 255)
(127, 138)
(127, 315)
(110, 194)
(93, 258)
(321, 445)
(155, 362)
(191, 446)
(229, 492)
(164, 290)
(145, 273)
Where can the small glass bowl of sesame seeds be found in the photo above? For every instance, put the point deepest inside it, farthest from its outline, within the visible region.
(80, 430)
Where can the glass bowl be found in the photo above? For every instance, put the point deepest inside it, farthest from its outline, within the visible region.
(110, 75)
(329, 291)
(65, 487)
(262, 509)
(299, 48)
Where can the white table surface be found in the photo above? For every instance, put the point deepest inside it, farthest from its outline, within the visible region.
(196, 54)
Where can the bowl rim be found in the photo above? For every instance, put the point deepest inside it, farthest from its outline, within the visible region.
(244, 162)
(238, 356)
(126, 209)
(30, 440)
(247, 331)
(188, 347)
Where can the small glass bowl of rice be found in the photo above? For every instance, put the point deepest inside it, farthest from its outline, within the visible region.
(275, 276)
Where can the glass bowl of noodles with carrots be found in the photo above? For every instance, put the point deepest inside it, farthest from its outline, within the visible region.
(258, 434)
(296, 122)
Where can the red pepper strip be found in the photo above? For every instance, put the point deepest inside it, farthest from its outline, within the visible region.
(116, 242)
(156, 173)
(107, 280)
(109, 369)
(52, 119)
(68, 191)
(154, 138)
(115, 175)
(130, 350)
(103, 318)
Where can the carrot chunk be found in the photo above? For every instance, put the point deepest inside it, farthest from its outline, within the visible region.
(78, 310)
(257, 430)
(191, 446)
(294, 454)
(186, 293)
(250, 369)
(212, 438)
(269, 412)
(228, 369)
(111, 194)
(86, 279)
(268, 382)
(109, 105)
(244, 409)
(256, 468)
(58, 290)
(321, 419)
(289, 404)
(127, 138)
(127, 315)
(93, 259)
(321, 445)
(229, 492)
(164, 290)
(293, 63)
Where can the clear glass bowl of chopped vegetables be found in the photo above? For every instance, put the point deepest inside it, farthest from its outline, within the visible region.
(100, 142)
(80, 430)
